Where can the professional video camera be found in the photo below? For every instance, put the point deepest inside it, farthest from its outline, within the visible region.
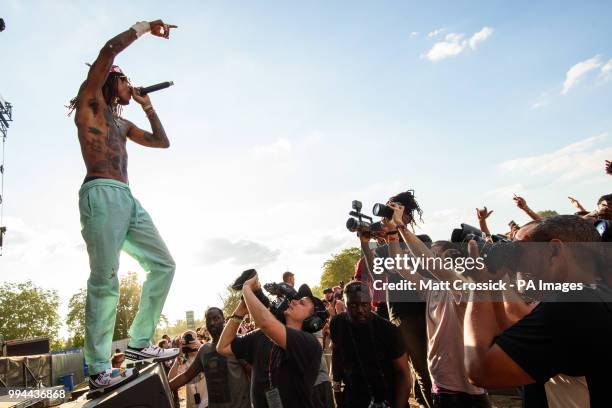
(361, 222)
(284, 294)
(497, 254)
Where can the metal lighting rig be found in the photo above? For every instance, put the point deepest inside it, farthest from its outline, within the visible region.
(6, 116)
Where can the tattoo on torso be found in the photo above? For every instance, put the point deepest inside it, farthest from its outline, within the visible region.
(103, 143)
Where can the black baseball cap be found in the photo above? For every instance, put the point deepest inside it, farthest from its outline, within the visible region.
(304, 291)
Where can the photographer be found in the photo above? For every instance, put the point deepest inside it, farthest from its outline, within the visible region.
(226, 377)
(567, 333)
(197, 395)
(406, 308)
(371, 353)
(285, 358)
(445, 312)
(604, 209)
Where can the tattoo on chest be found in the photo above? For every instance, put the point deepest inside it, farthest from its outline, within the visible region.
(109, 146)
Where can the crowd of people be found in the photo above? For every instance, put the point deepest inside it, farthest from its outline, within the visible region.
(360, 346)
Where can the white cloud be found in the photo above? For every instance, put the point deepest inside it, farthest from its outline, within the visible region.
(280, 146)
(242, 252)
(542, 101)
(505, 191)
(452, 45)
(606, 70)
(480, 36)
(435, 32)
(414, 34)
(455, 43)
(326, 245)
(579, 70)
(571, 162)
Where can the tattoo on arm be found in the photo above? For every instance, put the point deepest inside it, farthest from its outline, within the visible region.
(99, 70)
(159, 134)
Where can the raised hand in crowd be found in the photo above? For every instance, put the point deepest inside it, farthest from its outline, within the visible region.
(577, 204)
(522, 204)
(482, 214)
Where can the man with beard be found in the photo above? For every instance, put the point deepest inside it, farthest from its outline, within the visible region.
(111, 218)
(371, 353)
(226, 379)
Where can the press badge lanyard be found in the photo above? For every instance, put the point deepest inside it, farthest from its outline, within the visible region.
(270, 361)
(272, 395)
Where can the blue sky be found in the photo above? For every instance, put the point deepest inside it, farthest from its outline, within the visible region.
(284, 112)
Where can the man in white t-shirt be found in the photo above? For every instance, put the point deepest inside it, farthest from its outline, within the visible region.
(445, 310)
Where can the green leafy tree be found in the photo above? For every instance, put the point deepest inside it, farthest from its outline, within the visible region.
(129, 297)
(29, 311)
(340, 267)
(547, 213)
(75, 321)
(231, 300)
(317, 291)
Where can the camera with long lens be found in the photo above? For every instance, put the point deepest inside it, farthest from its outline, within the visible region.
(359, 222)
(383, 211)
(497, 254)
(284, 295)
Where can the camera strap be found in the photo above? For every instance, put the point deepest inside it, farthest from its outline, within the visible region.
(361, 367)
(272, 363)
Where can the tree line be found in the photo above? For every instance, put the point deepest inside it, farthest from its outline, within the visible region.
(27, 310)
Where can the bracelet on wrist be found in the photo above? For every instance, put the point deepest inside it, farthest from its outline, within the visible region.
(236, 318)
(141, 27)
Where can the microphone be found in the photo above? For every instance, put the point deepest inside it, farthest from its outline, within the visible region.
(156, 87)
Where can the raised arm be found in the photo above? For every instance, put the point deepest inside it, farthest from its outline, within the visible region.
(263, 318)
(100, 68)
(482, 215)
(577, 204)
(417, 247)
(224, 346)
(522, 204)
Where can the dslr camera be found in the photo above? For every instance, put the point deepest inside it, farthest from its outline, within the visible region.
(501, 253)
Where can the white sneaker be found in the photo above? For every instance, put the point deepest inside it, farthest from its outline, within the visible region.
(112, 377)
(156, 354)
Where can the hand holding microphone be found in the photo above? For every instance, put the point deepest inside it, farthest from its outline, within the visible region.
(140, 94)
(153, 88)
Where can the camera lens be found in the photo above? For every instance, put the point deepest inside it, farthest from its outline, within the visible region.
(381, 210)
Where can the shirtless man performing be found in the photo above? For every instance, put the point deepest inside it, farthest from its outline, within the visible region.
(112, 219)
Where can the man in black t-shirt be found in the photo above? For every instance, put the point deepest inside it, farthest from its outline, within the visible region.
(227, 382)
(567, 333)
(285, 359)
(371, 353)
(406, 308)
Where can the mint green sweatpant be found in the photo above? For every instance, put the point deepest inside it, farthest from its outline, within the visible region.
(113, 220)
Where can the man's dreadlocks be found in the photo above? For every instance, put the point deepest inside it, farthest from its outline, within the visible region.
(410, 204)
(109, 92)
